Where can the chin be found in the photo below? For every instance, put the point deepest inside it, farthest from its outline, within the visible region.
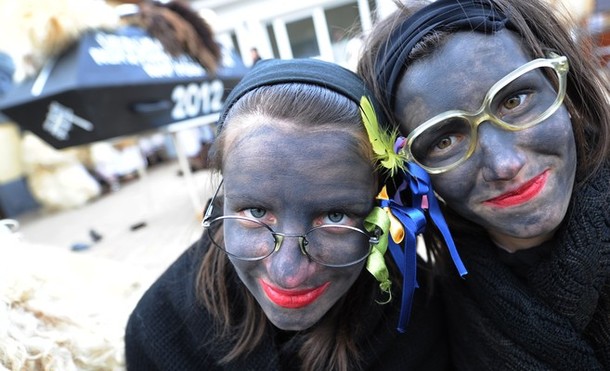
(288, 324)
(294, 319)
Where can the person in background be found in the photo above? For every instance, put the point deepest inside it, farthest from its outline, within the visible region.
(510, 117)
(290, 272)
(255, 56)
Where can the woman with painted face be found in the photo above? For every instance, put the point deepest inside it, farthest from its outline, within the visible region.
(281, 277)
(509, 115)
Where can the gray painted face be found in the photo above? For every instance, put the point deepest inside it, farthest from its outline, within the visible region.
(517, 185)
(294, 181)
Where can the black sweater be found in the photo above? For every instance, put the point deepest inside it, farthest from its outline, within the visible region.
(545, 308)
(170, 330)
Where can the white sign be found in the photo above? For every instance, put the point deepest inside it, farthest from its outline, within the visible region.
(60, 119)
(196, 99)
(144, 52)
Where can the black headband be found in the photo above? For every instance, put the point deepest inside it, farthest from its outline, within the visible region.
(306, 71)
(441, 15)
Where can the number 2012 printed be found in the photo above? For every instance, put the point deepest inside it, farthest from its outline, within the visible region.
(194, 100)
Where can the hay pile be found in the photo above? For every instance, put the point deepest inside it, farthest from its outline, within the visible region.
(61, 310)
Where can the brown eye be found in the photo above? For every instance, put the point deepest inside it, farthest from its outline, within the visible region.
(444, 143)
(514, 101)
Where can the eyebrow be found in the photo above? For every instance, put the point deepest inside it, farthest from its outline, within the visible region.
(345, 201)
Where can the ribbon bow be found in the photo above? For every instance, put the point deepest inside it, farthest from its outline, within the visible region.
(424, 198)
(419, 183)
(397, 224)
(406, 222)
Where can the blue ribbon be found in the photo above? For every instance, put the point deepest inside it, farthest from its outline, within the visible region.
(414, 222)
(419, 183)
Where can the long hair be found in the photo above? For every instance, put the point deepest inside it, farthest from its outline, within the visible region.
(332, 342)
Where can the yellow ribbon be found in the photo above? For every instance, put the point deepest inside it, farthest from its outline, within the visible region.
(397, 230)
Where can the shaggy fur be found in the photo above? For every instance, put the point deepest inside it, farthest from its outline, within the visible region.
(42, 29)
(180, 30)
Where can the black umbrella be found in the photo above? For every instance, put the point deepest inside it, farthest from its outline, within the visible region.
(113, 83)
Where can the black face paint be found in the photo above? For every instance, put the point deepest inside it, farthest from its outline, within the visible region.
(286, 182)
(517, 185)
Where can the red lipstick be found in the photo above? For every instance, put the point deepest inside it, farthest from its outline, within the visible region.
(521, 195)
(293, 298)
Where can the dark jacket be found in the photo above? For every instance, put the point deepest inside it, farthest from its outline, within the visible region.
(170, 330)
(545, 308)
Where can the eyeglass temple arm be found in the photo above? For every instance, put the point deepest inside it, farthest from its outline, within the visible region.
(374, 239)
(210, 207)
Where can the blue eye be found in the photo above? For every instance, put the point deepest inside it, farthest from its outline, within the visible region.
(335, 217)
(256, 212)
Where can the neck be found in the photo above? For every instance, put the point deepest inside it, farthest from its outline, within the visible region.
(514, 244)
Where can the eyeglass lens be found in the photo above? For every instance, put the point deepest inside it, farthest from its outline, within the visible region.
(519, 104)
(247, 239)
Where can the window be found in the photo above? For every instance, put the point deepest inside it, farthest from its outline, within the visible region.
(343, 26)
(302, 37)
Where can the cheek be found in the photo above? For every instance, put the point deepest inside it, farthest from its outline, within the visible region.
(455, 185)
(246, 243)
(554, 135)
(343, 279)
(246, 272)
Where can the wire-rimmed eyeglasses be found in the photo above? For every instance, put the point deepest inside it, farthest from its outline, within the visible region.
(248, 239)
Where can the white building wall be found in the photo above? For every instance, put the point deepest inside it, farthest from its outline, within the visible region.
(248, 21)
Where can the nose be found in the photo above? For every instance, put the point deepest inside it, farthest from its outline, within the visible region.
(288, 266)
(501, 158)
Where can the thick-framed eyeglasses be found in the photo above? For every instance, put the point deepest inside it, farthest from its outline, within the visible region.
(249, 239)
(520, 100)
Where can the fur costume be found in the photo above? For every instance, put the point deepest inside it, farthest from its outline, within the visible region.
(41, 30)
(44, 30)
(54, 312)
(180, 30)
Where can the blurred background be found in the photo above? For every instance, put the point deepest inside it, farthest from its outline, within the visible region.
(107, 111)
